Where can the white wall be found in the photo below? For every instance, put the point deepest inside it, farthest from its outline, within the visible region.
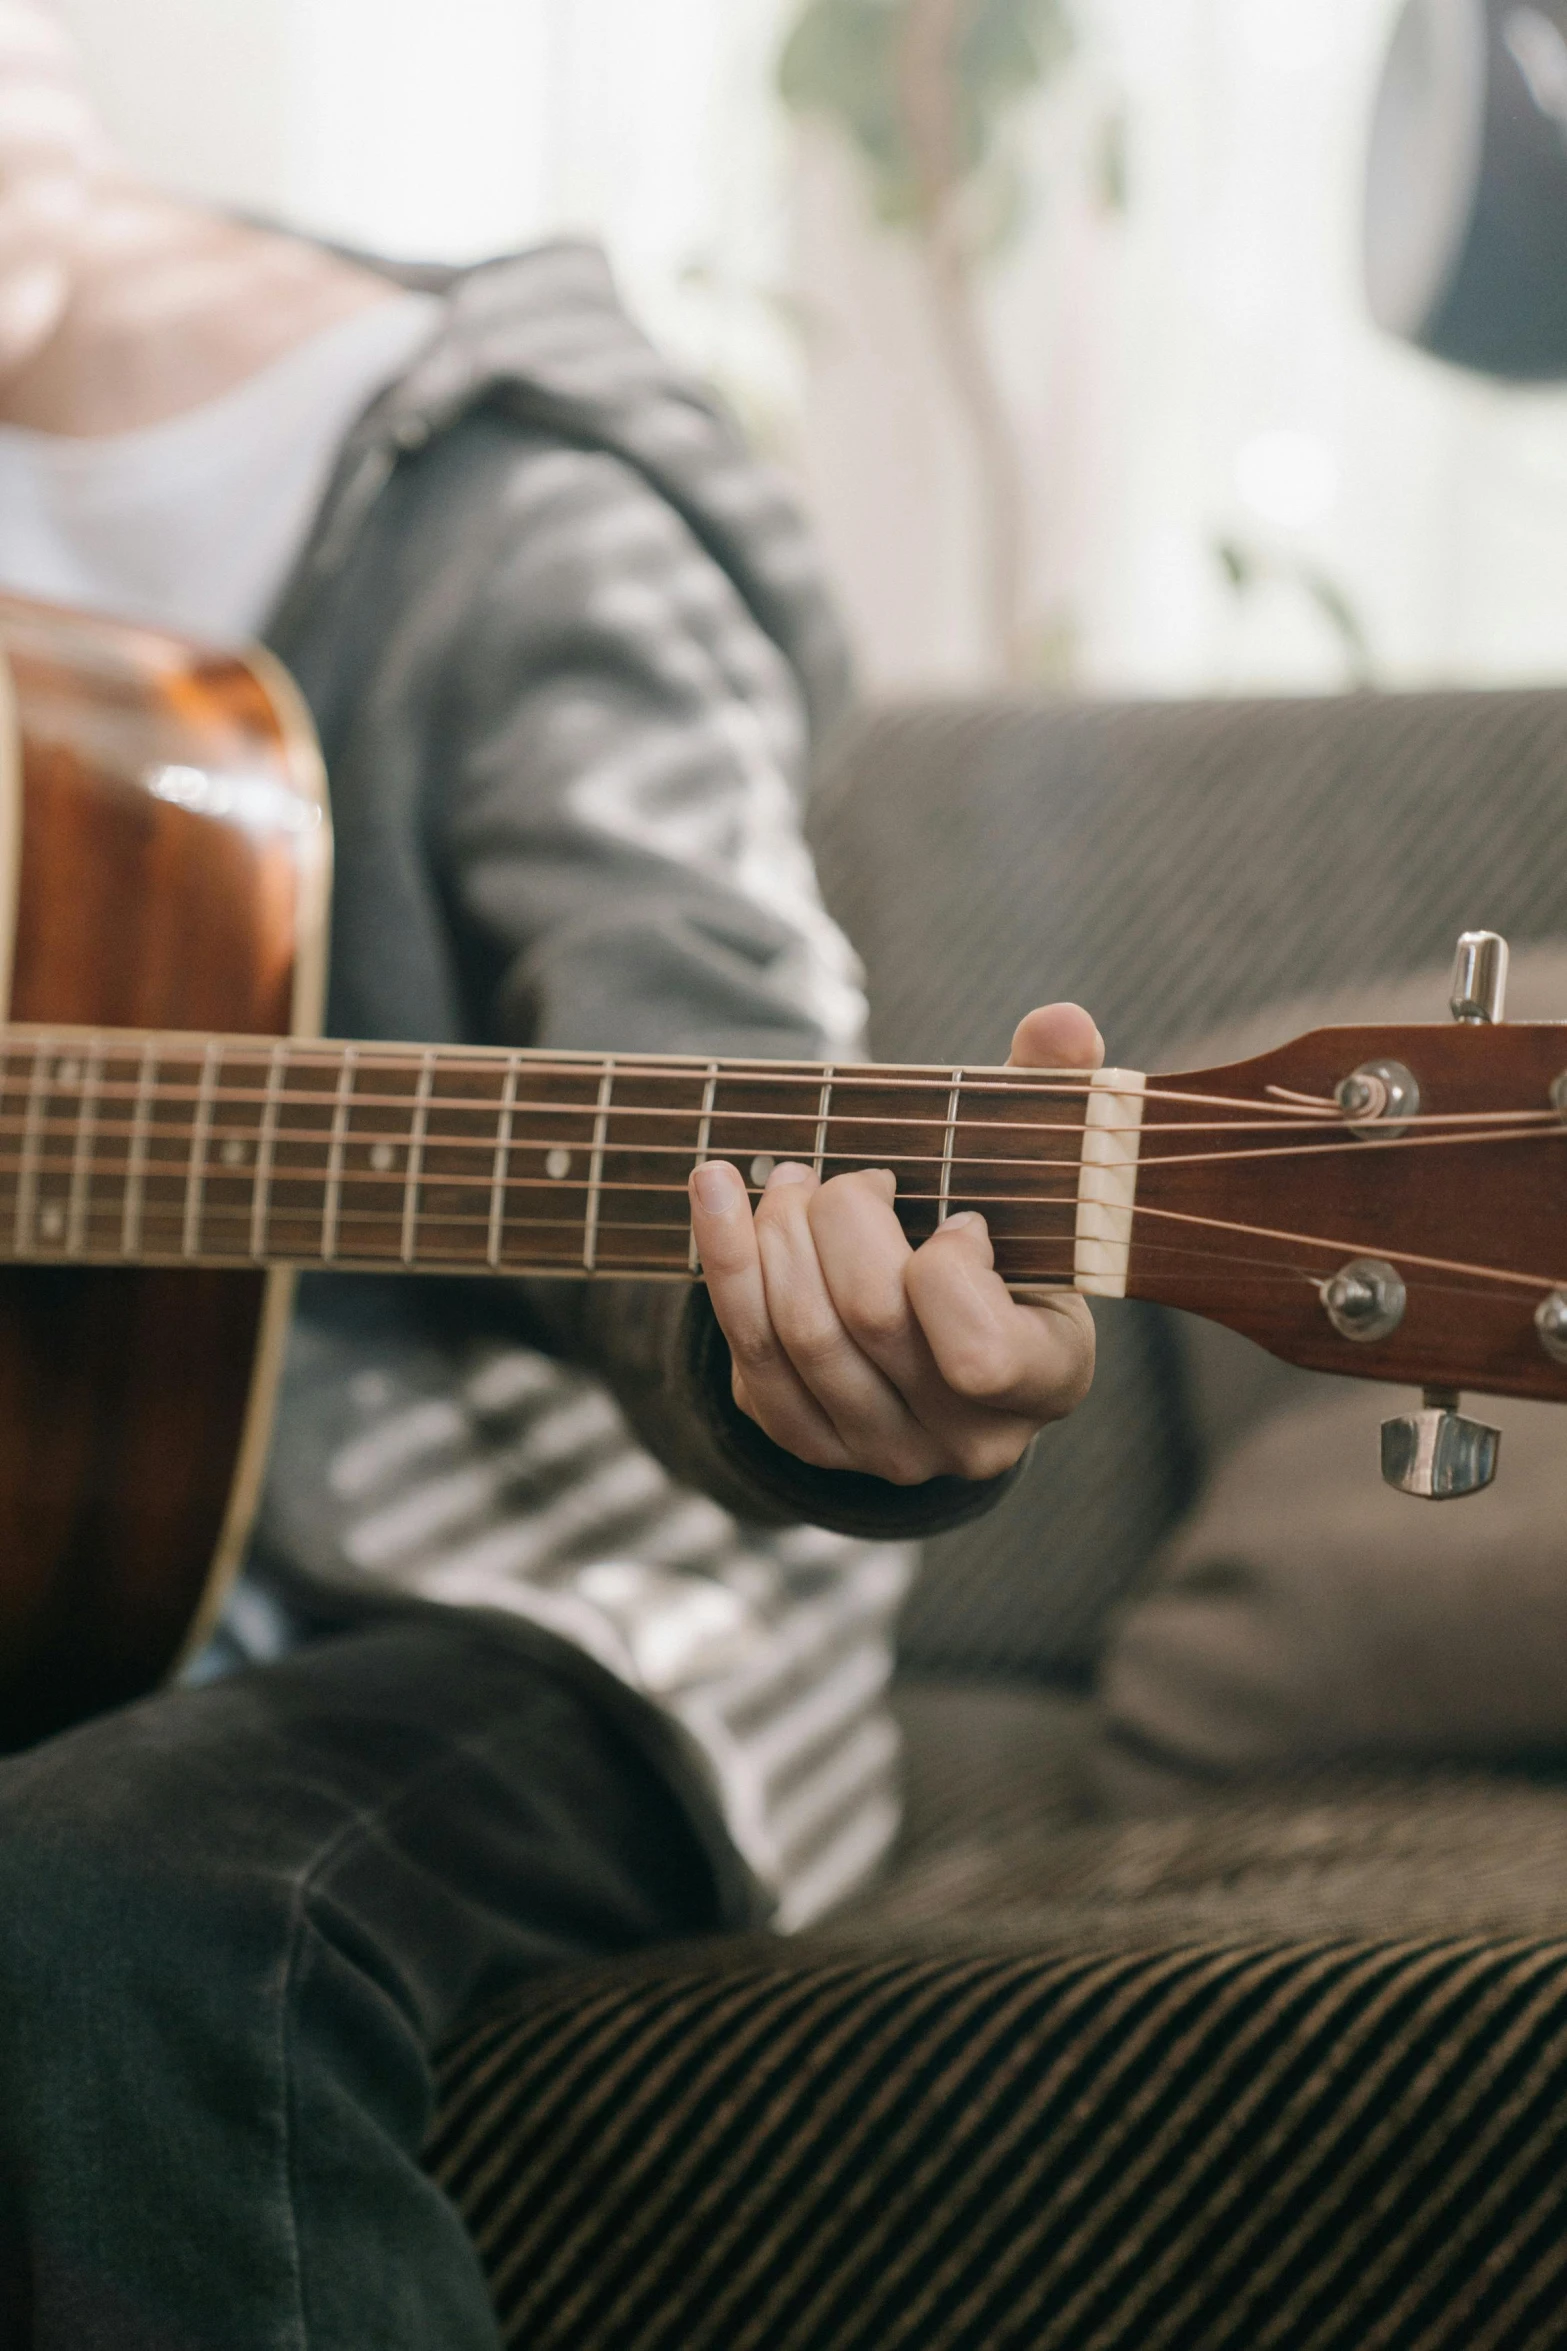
(1261, 401)
(200, 90)
(1203, 368)
(462, 129)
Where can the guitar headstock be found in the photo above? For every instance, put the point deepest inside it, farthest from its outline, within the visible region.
(1390, 1203)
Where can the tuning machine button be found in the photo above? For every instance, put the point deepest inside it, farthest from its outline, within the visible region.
(1438, 1455)
(1550, 1321)
(1366, 1301)
(1479, 995)
(1379, 1099)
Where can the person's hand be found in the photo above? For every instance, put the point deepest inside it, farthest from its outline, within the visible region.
(854, 1351)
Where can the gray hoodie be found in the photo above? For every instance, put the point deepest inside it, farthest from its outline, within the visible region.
(568, 652)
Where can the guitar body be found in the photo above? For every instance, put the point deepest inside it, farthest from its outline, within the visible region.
(164, 863)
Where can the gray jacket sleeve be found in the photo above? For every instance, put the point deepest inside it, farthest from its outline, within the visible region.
(621, 846)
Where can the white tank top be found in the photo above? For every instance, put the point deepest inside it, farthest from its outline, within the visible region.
(196, 523)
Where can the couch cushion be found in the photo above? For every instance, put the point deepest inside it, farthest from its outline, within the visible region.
(1026, 1824)
(1078, 2076)
(1312, 2147)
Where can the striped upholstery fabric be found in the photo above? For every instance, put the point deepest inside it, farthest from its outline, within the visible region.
(1317, 2146)
(1172, 867)
(1286, 2068)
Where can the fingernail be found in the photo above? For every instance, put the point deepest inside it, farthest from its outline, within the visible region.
(789, 1173)
(966, 1222)
(717, 1186)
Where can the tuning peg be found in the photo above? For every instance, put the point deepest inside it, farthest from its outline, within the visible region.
(1480, 979)
(1436, 1454)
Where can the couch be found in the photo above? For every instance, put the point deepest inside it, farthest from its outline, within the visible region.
(1109, 2060)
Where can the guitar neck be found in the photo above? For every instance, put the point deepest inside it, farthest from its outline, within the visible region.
(127, 1149)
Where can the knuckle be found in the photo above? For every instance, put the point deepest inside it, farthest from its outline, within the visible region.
(878, 1318)
(843, 1200)
(817, 1341)
(777, 1206)
(850, 1186)
(978, 1374)
(752, 1347)
(908, 1465)
(981, 1459)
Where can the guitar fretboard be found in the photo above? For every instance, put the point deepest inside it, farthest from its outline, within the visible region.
(117, 1148)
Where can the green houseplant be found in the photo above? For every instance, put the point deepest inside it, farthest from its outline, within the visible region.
(924, 90)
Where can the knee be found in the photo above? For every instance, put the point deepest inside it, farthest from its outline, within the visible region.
(102, 1883)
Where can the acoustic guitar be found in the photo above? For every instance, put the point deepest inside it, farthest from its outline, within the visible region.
(175, 1142)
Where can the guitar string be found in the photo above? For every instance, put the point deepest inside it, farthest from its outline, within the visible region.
(647, 1231)
(1004, 1085)
(322, 1102)
(175, 1168)
(1503, 1127)
(1496, 1276)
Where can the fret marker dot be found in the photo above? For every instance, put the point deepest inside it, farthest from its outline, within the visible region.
(762, 1172)
(234, 1153)
(69, 1073)
(52, 1223)
(557, 1166)
(383, 1158)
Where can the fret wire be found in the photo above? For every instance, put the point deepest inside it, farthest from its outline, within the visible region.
(954, 1105)
(83, 1164)
(266, 1148)
(596, 1169)
(415, 1171)
(136, 1152)
(196, 1166)
(27, 1181)
(824, 1113)
(500, 1186)
(342, 1111)
(704, 1143)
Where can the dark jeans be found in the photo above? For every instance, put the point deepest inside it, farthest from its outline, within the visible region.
(235, 1922)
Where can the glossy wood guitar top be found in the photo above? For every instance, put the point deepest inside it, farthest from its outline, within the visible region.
(165, 860)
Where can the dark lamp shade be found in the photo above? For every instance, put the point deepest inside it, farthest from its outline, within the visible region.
(1466, 208)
